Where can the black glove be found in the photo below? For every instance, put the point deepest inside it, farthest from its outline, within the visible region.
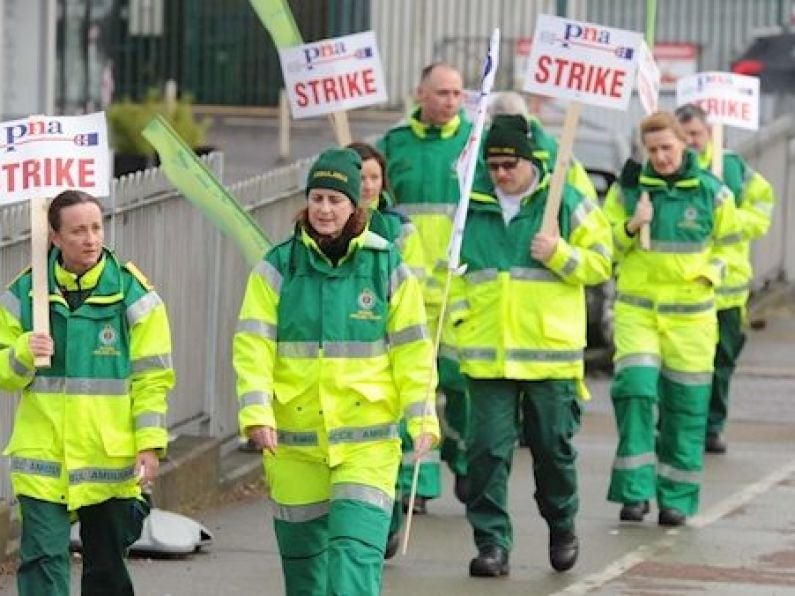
(630, 174)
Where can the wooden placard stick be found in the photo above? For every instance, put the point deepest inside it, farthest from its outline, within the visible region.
(39, 242)
(645, 231)
(562, 163)
(342, 130)
(717, 150)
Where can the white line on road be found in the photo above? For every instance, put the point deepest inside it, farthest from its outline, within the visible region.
(645, 551)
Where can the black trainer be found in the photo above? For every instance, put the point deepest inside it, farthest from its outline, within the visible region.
(715, 443)
(634, 511)
(671, 517)
(563, 549)
(492, 561)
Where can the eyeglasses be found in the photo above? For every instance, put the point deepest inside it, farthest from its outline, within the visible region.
(505, 165)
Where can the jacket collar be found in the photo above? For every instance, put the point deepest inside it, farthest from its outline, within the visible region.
(445, 131)
(686, 177)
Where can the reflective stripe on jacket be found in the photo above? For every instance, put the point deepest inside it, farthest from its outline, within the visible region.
(515, 317)
(350, 342)
(754, 198)
(694, 220)
(81, 422)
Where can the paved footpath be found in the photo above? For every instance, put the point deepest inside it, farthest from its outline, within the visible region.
(742, 542)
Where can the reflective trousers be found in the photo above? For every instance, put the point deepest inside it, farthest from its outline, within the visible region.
(663, 360)
(331, 523)
(731, 340)
(107, 530)
(551, 410)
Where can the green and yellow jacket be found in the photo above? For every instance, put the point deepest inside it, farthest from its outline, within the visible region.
(518, 318)
(754, 199)
(421, 169)
(692, 231)
(81, 422)
(333, 356)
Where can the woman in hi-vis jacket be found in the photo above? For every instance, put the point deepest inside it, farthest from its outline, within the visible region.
(331, 351)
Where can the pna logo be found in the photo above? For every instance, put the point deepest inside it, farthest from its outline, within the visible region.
(32, 130)
(590, 36)
(324, 52)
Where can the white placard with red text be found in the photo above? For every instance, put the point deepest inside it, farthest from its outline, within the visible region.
(333, 75)
(584, 62)
(648, 79)
(727, 98)
(40, 156)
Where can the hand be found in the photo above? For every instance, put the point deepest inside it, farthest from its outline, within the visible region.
(422, 445)
(644, 212)
(264, 437)
(146, 467)
(41, 345)
(543, 245)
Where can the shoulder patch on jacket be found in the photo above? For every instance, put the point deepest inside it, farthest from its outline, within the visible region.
(136, 273)
(375, 242)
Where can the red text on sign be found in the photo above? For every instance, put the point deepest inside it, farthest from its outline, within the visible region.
(731, 108)
(335, 88)
(56, 171)
(579, 76)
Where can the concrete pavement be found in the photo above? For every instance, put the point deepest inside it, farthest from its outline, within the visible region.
(742, 542)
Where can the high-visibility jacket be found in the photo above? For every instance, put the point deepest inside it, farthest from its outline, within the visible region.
(398, 229)
(754, 198)
(518, 318)
(349, 341)
(691, 230)
(421, 170)
(81, 422)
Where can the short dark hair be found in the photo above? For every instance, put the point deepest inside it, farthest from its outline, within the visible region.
(367, 151)
(66, 199)
(687, 112)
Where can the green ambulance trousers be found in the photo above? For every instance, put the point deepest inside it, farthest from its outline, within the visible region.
(331, 523)
(551, 410)
(731, 340)
(107, 530)
(663, 357)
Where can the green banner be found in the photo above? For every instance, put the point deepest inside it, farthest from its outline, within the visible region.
(279, 21)
(192, 178)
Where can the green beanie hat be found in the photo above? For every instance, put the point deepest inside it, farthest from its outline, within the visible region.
(337, 169)
(509, 136)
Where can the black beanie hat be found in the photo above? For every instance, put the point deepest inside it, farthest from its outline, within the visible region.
(509, 137)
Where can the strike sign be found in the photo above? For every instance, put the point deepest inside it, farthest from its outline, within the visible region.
(41, 156)
(581, 61)
(333, 75)
(727, 98)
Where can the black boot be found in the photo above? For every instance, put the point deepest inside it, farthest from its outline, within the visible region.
(671, 517)
(492, 561)
(715, 443)
(634, 511)
(392, 544)
(563, 549)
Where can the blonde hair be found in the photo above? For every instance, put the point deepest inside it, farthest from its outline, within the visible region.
(662, 121)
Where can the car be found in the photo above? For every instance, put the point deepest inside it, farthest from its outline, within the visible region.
(772, 59)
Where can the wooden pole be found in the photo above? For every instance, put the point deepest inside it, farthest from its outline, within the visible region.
(284, 125)
(342, 130)
(39, 242)
(645, 231)
(562, 164)
(717, 150)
